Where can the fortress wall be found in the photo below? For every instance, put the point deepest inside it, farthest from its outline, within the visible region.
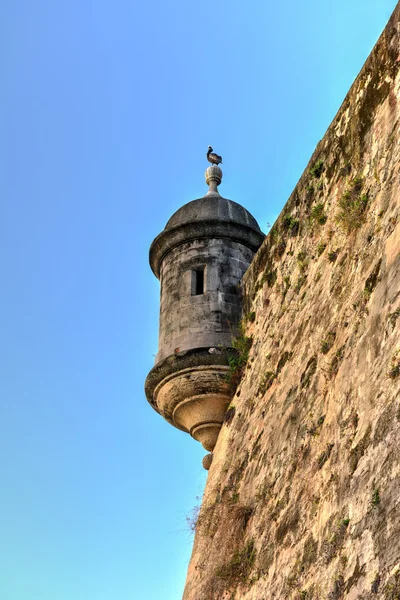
(303, 497)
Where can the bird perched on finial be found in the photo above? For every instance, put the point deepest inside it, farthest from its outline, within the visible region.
(214, 159)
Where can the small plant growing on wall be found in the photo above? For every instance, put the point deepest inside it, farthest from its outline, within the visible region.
(300, 282)
(251, 316)
(318, 214)
(239, 357)
(286, 285)
(192, 518)
(317, 170)
(328, 341)
(345, 170)
(266, 382)
(238, 569)
(290, 224)
(332, 255)
(376, 498)
(268, 277)
(280, 248)
(352, 206)
(302, 261)
(392, 588)
(393, 317)
(337, 359)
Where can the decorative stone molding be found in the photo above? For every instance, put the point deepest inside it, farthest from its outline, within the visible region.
(192, 392)
(213, 177)
(170, 238)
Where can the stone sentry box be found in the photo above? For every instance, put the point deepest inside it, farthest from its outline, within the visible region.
(200, 258)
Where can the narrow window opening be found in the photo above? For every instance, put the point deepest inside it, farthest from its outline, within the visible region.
(198, 281)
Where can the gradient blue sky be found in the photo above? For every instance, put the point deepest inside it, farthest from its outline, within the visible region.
(107, 109)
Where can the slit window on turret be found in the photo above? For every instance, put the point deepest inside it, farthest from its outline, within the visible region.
(198, 281)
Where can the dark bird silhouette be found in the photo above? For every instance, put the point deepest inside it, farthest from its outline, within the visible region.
(214, 159)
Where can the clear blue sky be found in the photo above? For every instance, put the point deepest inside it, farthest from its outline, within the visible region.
(107, 109)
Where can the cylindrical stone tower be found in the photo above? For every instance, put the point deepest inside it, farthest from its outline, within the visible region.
(200, 258)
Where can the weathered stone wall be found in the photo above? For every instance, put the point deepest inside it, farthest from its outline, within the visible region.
(303, 496)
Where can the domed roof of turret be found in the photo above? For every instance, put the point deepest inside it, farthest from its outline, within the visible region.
(212, 208)
(210, 216)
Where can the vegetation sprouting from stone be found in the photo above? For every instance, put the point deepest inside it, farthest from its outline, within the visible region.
(332, 255)
(320, 248)
(309, 552)
(317, 277)
(268, 277)
(290, 224)
(300, 282)
(280, 248)
(318, 214)
(303, 562)
(238, 569)
(286, 285)
(376, 498)
(346, 169)
(392, 588)
(317, 170)
(315, 429)
(193, 518)
(266, 381)
(337, 359)
(393, 316)
(335, 539)
(239, 356)
(328, 341)
(269, 377)
(302, 261)
(394, 369)
(352, 206)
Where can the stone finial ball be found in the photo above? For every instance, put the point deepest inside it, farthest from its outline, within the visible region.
(207, 460)
(213, 174)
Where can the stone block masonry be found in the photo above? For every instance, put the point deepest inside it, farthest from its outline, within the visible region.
(303, 496)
